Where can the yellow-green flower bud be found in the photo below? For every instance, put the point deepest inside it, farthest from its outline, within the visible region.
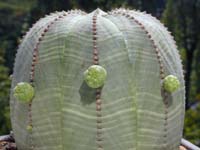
(24, 92)
(171, 83)
(95, 76)
(29, 128)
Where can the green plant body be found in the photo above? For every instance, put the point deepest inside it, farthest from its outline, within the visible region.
(129, 53)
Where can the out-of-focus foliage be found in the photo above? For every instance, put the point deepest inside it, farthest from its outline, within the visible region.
(183, 18)
(13, 15)
(4, 91)
(192, 125)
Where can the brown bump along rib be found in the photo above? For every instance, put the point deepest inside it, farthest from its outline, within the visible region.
(161, 66)
(35, 60)
(98, 91)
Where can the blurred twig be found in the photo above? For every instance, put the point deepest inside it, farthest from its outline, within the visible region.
(189, 145)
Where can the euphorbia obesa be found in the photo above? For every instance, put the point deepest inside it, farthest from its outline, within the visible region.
(97, 81)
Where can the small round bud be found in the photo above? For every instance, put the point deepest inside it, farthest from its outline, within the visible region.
(29, 128)
(171, 83)
(95, 76)
(24, 92)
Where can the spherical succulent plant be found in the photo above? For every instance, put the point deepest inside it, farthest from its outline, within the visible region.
(101, 81)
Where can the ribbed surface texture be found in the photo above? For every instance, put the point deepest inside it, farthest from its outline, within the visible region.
(135, 113)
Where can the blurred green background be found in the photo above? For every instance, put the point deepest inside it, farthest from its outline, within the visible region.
(182, 17)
